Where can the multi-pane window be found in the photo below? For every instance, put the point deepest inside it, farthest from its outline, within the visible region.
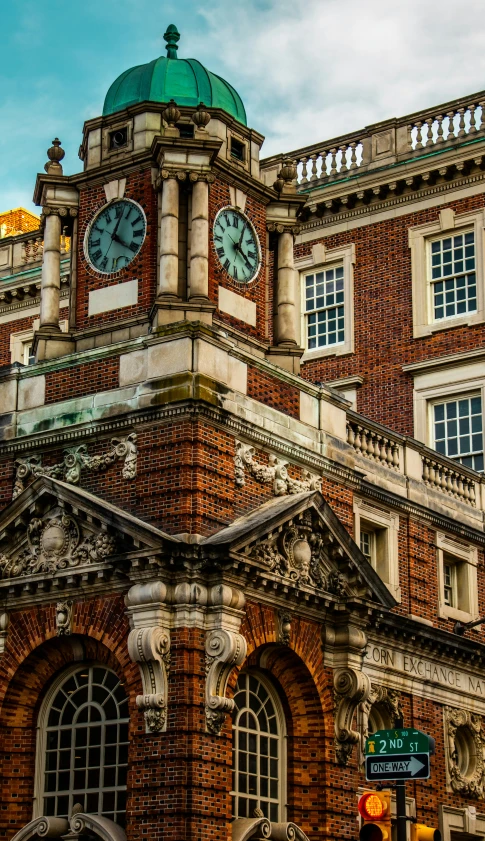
(257, 751)
(324, 308)
(86, 746)
(458, 430)
(453, 276)
(367, 545)
(449, 584)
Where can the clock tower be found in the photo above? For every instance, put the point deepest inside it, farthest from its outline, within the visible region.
(171, 219)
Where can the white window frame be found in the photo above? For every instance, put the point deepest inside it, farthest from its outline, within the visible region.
(385, 525)
(41, 731)
(444, 382)
(271, 690)
(21, 341)
(420, 238)
(321, 259)
(465, 559)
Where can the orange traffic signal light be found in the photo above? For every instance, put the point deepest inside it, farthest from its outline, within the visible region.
(421, 832)
(375, 810)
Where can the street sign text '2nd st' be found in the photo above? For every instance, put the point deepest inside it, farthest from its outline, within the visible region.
(397, 767)
(406, 740)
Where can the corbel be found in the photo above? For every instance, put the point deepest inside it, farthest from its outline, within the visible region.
(225, 648)
(149, 646)
(351, 688)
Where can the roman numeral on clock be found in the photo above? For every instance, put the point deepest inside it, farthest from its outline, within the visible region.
(227, 265)
(118, 211)
(234, 269)
(138, 233)
(133, 246)
(220, 252)
(95, 242)
(97, 254)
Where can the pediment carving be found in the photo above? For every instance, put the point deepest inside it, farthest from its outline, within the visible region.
(305, 552)
(56, 542)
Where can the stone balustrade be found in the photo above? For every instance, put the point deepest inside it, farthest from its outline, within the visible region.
(372, 444)
(391, 141)
(449, 479)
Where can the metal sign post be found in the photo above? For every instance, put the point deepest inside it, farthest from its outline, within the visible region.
(400, 754)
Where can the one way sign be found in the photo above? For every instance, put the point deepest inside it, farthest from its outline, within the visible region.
(398, 767)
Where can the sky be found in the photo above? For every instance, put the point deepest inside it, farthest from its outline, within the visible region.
(307, 70)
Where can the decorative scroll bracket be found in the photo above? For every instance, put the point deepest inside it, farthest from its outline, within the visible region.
(149, 646)
(352, 687)
(224, 650)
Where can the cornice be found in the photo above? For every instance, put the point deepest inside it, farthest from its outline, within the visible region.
(377, 206)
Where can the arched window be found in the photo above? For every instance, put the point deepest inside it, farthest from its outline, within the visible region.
(83, 745)
(258, 750)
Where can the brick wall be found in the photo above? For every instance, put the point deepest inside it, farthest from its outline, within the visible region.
(219, 197)
(383, 326)
(143, 267)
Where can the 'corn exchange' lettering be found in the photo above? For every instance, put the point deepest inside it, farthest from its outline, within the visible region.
(425, 670)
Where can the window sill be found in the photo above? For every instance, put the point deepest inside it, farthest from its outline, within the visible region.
(324, 353)
(421, 330)
(446, 612)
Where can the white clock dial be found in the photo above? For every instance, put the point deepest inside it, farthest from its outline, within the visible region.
(237, 245)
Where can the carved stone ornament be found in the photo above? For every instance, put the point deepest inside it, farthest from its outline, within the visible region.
(275, 473)
(284, 627)
(64, 618)
(55, 544)
(352, 687)
(389, 701)
(465, 735)
(4, 623)
(224, 650)
(76, 459)
(149, 646)
(303, 553)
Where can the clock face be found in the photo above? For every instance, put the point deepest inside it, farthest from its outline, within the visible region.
(115, 236)
(237, 245)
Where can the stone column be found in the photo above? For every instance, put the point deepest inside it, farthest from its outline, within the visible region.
(286, 291)
(199, 242)
(169, 239)
(51, 272)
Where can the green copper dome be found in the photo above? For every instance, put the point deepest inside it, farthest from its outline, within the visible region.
(186, 81)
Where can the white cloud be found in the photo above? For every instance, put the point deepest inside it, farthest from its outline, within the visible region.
(313, 69)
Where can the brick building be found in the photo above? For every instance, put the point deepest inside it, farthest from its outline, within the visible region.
(240, 453)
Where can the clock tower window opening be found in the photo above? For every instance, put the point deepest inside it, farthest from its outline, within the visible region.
(237, 149)
(118, 138)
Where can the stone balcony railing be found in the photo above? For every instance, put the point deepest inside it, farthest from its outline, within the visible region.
(392, 141)
(412, 459)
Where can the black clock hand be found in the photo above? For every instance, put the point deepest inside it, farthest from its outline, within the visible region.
(116, 238)
(240, 238)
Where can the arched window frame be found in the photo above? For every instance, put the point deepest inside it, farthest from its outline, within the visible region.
(42, 725)
(282, 739)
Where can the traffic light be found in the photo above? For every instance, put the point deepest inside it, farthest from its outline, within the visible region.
(375, 809)
(421, 832)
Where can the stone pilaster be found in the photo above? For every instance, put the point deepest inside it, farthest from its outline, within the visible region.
(199, 247)
(169, 233)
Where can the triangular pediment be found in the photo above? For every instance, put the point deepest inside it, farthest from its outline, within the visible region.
(55, 530)
(301, 541)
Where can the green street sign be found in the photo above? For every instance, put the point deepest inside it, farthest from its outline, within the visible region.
(400, 740)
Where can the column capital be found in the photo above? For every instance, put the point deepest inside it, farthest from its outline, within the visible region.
(281, 228)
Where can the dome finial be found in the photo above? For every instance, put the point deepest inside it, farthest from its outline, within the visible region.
(171, 36)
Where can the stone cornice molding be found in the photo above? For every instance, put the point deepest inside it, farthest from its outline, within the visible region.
(374, 207)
